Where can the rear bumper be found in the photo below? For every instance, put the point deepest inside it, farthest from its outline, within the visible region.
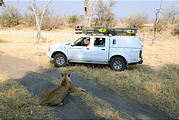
(141, 61)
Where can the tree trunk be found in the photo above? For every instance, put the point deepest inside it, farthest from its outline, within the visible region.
(155, 28)
(91, 13)
(39, 18)
(38, 33)
(88, 12)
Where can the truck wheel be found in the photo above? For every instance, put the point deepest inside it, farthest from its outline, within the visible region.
(118, 64)
(59, 60)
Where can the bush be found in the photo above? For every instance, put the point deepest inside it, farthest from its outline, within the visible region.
(176, 29)
(138, 20)
(10, 17)
(50, 22)
(73, 20)
(28, 20)
(104, 15)
(53, 22)
(162, 25)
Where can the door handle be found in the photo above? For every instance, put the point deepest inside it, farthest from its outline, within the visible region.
(102, 49)
(87, 48)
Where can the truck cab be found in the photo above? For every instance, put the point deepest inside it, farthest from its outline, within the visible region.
(96, 51)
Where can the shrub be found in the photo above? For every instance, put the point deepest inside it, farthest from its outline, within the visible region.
(28, 20)
(53, 22)
(137, 19)
(10, 17)
(176, 29)
(50, 21)
(104, 15)
(162, 25)
(170, 14)
(73, 20)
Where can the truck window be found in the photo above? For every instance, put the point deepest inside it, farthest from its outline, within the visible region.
(99, 42)
(83, 41)
(114, 41)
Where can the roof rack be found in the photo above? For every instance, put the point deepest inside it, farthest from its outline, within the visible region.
(105, 31)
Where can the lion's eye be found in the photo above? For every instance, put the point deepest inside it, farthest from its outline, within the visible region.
(62, 75)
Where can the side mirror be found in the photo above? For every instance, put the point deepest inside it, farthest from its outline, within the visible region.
(72, 44)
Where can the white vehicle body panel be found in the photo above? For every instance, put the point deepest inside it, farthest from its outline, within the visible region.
(57, 48)
(126, 46)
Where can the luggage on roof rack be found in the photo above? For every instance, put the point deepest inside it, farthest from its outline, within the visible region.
(105, 31)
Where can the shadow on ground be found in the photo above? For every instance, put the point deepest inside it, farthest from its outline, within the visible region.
(73, 108)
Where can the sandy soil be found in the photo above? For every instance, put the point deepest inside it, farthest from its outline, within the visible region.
(37, 79)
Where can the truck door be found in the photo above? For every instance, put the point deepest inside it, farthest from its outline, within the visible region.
(79, 52)
(99, 49)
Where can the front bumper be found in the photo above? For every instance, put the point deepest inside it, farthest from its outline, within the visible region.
(49, 54)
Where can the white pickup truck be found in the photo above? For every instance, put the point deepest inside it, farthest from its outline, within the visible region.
(117, 51)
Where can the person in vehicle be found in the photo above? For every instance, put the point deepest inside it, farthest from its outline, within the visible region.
(99, 42)
(87, 41)
(102, 42)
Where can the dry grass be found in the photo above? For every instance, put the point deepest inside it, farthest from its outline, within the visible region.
(154, 87)
(21, 43)
(17, 103)
(3, 78)
(156, 82)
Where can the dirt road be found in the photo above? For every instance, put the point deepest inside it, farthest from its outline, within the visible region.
(36, 79)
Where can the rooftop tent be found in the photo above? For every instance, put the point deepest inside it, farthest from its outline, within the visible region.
(2, 3)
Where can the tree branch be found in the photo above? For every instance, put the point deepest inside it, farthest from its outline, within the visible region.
(44, 11)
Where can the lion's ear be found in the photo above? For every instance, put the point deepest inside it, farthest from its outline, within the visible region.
(62, 75)
(69, 75)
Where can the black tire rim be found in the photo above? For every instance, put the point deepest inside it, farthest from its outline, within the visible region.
(117, 65)
(60, 60)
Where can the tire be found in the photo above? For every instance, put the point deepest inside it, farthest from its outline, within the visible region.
(59, 60)
(118, 64)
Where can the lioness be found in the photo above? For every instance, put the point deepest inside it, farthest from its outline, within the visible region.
(56, 96)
